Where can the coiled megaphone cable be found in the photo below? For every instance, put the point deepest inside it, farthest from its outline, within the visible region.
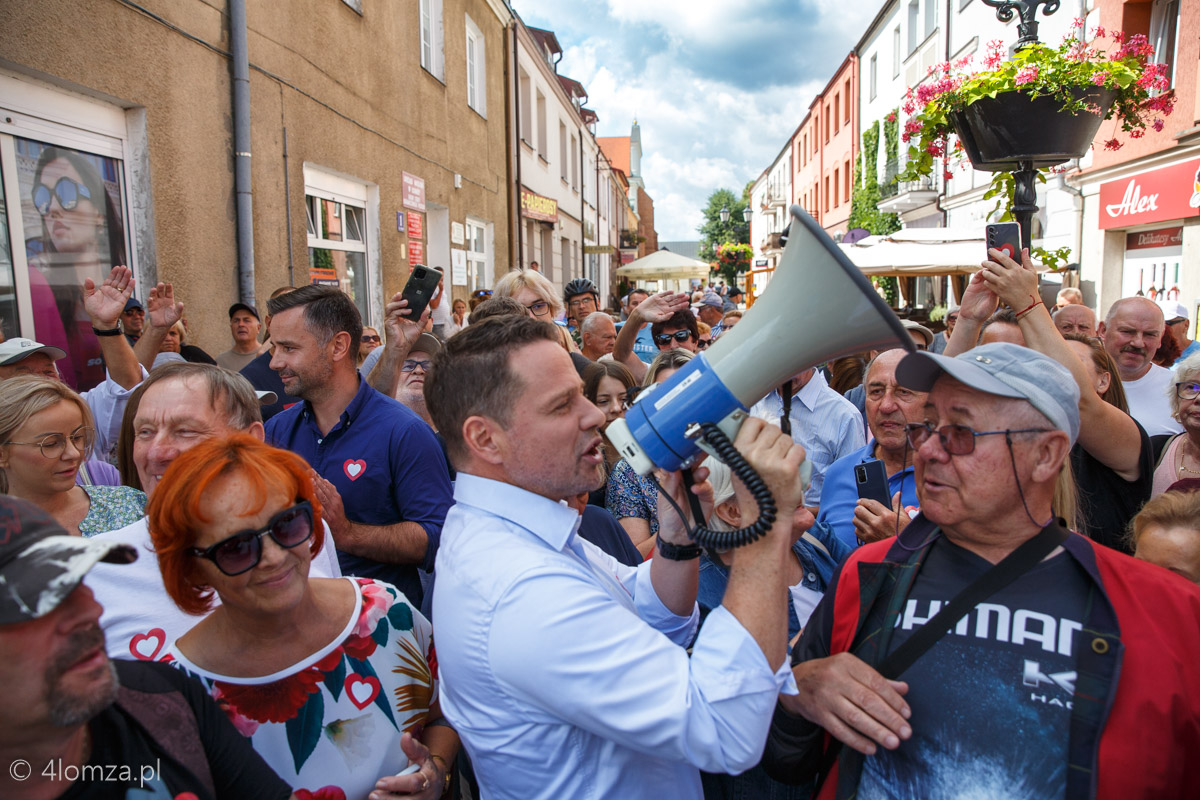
(701, 534)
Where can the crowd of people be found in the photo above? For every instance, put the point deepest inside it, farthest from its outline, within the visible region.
(225, 577)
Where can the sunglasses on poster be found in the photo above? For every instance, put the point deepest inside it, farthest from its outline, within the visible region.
(66, 190)
(242, 551)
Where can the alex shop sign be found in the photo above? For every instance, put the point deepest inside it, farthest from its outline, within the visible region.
(1157, 196)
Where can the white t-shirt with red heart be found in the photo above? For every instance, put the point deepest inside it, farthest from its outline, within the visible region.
(140, 620)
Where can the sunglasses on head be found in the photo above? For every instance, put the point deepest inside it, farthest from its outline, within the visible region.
(242, 551)
(66, 190)
(481, 293)
(679, 336)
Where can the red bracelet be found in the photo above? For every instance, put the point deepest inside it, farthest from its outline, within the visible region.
(1031, 307)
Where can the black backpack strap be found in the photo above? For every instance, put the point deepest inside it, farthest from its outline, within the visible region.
(1014, 565)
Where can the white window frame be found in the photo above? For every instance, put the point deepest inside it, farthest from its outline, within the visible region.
(479, 265)
(58, 117)
(476, 69)
(543, 136)
(525, 84)
(432, 44)
(562, 149)
(347, 190)
(874, 74)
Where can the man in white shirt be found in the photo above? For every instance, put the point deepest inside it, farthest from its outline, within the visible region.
(180, 406)
(1131, 333)
(565, 672)
(825, 424)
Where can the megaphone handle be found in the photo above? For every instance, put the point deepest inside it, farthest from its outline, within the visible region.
(693, 501)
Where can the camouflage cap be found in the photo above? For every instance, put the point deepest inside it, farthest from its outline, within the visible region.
(40, 563)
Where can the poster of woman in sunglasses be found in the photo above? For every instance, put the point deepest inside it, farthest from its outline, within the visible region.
(73, 230)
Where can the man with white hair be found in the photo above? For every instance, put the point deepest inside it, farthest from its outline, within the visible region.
(987, 647)
(599, 335)
(1131, 333)
(943, 338)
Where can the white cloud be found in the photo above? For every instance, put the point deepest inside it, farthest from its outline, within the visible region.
(717, 87)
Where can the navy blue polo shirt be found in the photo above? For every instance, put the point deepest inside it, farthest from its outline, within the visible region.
(388, 466)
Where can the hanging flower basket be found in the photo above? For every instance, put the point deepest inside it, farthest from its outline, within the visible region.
(1043, 104)
(998, 133)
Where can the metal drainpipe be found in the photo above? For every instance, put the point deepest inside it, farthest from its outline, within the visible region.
(241, 149)
(517, 144)
(582, 208)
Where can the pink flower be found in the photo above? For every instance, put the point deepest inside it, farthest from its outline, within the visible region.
(1112, 144)
(375, 604)
(1157, 125)
(1100, 78)
(1137, 133)
(1098, 32)
(244, 725)
(947, 174)
(1026, 75)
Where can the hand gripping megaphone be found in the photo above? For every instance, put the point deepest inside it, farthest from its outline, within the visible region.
(818, 307)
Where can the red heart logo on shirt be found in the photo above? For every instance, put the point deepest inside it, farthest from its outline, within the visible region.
(354, 468)
(362, 691)
(145, 646)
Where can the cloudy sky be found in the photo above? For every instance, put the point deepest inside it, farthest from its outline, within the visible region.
(717, 86)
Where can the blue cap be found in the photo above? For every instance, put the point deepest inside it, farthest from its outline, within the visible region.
(133, 303)
(1005, 370)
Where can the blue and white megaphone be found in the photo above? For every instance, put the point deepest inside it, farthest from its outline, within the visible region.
(818, 307)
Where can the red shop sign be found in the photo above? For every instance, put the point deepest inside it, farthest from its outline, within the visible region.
(1156, 196)
(1163, 237)
(416, 253)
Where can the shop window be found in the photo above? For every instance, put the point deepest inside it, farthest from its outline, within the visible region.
(70, 210)
(337, 235)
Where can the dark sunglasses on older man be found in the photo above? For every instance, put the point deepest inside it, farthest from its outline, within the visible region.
(66, 190)
(679, 336)
(242, 551)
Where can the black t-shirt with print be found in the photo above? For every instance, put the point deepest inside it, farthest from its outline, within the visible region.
(129, 761)
(991, 700)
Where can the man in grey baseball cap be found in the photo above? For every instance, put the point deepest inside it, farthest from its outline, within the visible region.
(1104, 666)
(69, 715)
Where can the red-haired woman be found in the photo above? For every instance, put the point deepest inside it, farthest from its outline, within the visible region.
(331, 679)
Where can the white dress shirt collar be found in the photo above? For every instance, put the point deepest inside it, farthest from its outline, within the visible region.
(552, 522)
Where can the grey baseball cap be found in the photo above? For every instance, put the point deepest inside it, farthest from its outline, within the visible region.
(1005, 370)
(40, 563)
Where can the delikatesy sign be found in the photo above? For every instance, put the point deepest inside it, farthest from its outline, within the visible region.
(1156, 196)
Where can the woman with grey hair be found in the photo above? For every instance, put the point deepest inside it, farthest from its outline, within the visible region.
(1178, 455)
(631, 498)
(816, 553)
(532, 290)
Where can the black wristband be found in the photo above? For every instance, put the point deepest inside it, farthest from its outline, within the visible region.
(679, 552)
(106, 332)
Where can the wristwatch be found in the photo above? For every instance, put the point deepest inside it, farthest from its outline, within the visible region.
(678, 552)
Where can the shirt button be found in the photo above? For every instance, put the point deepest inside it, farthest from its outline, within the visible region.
(812, 577)
(320, 440)
(1099, 646)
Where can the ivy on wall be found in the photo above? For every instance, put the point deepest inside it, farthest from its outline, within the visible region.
(864, 201)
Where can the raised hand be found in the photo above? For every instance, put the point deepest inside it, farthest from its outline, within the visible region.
(1015, 284)
(978, 301)
(104, 303)
(161, 309)
(659, 307)
(402, 330)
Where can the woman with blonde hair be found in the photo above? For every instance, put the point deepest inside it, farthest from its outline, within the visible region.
(532, 290)
(46, 436)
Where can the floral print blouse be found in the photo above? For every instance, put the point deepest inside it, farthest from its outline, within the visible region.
(330, 725)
